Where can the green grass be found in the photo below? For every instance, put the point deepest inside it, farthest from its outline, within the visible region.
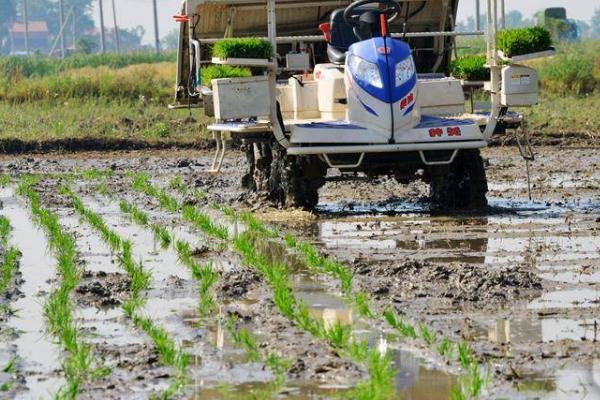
(242, 48)
(79, 365)
(151, 81)
(102, 120)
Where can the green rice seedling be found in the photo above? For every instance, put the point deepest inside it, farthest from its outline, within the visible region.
(94, 174)
(395, 322)
(477, 381)
(427, 335)
(11, 366)
(358, 350)
(302, 317)
(465, 355)
(515, 42)
(104, 190)
(79, 365)
(162, 235)
(9, 267)
(6, 386)
(204, 223)
(445, 349)
(338, 335)
(243, 339)
(4, 230)
(242, 48)
(136, 215)
(457, 393)
(361, 301)
(285, 300)
(4, 180)
(177, 183)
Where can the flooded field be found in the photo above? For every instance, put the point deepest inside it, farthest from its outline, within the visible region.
(173, 290)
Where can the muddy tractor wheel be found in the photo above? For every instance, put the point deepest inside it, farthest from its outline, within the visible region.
(289, 181)
(461, 185)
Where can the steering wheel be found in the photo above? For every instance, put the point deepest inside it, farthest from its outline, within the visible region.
(391, 12)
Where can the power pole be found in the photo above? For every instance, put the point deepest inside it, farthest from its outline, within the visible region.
(503, 14)
(117, 39)
(102, 37)
(74, 29)
(61, 14)
(156, 36)
(477, 16)
(26, 18)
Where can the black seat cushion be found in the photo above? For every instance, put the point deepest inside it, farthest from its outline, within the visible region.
(342, 35)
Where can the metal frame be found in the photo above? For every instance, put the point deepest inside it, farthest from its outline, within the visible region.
(273, 68)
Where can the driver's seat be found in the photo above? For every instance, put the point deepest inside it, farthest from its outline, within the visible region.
(342, 35)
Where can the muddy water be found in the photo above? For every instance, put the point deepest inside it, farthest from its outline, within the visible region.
(38, 356)
(558, 241)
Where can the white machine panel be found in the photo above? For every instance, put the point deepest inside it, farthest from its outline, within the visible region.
(441, 96)
(237, 98)
(520, 86)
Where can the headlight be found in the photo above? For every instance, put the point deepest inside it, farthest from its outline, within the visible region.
(366, 71)
(404, 71)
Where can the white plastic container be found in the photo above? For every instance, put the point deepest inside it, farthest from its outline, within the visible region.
(238, 98)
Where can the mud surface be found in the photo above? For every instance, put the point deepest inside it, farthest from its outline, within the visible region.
(520, 281)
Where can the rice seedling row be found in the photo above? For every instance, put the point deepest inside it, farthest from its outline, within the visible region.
(476, 377)
(10, 262)
(379, 385)
(170, 353)
(80, 364)
(207, 277)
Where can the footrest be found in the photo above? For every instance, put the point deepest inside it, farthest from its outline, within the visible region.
(240, 127)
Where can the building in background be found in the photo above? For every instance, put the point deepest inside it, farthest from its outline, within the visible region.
(39, 37)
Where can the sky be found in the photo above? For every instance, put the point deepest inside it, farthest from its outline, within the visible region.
(131, 13)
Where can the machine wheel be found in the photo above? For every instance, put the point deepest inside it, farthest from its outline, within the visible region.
(295, 180)
(290, 181)
(461, 185)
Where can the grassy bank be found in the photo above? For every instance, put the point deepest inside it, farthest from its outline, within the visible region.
(152, 81)
(38, 66)
(147, 120)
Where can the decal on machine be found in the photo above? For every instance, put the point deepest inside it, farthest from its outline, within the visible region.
(439, 132)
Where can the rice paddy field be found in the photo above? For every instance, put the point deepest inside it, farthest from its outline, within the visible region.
(141, 275)
(127, 270)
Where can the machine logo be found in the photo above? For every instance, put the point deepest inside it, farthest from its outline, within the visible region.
(384, 50)
(407, 101)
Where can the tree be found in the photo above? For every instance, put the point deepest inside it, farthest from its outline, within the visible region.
(514, 19)
(595, 23)
(8, 14)
(47, 10)
(171, 40)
